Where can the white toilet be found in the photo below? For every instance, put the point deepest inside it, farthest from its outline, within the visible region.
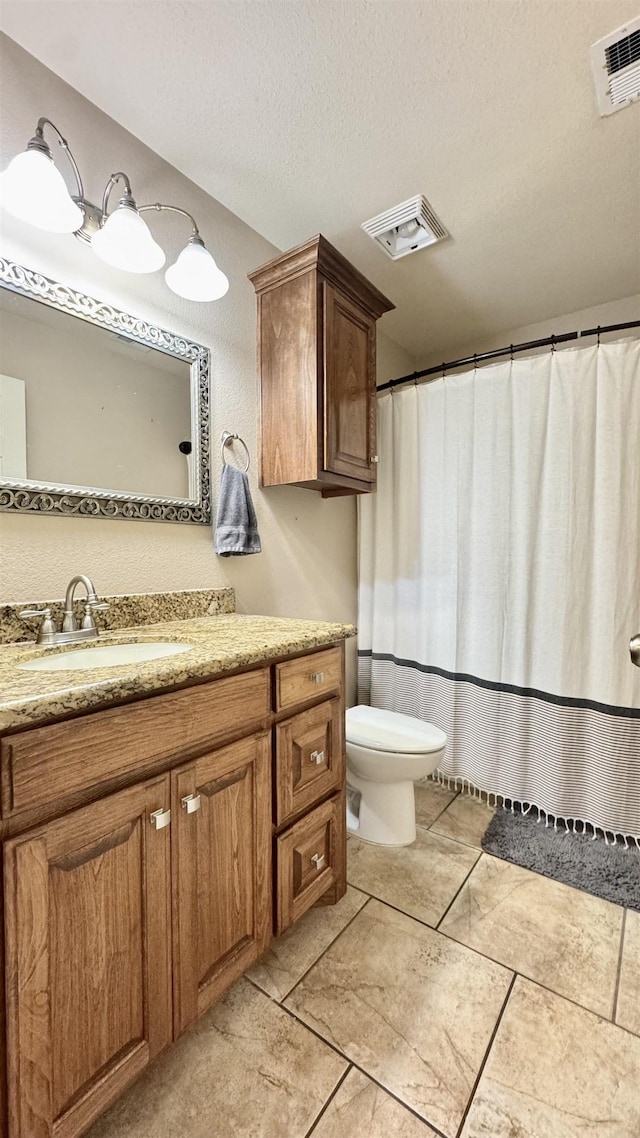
(386, 753)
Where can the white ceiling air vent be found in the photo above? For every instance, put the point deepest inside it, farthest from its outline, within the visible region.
(406, 228)
(615, 61)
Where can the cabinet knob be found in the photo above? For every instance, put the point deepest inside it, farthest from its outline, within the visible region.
(160, 819)
(374, 458)
(317, 677)
(319, 860)
(190, 803)
(317, 757)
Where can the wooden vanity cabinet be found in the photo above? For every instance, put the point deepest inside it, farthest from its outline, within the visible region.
(132, 903)
(317, 367)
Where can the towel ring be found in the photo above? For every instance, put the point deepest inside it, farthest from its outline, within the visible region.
(227, 439)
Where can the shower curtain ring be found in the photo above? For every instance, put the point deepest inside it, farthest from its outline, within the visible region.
(444, 368)
(553, 342)
(475, 361)
(511, 352)
(598, 340)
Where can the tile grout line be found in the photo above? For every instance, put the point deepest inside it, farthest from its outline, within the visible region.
(294, 1015)
(616, 993)
(575, 1004)
(439, 815)
(309, 1133)
(459, 891)
(356, 1066)
(486, 1055)
(457, 841)
(396, 1098)
(330, 945)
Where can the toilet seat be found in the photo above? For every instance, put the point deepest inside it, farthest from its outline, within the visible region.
(390, 731)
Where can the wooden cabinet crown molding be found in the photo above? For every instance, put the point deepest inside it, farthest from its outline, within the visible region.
(320, 254)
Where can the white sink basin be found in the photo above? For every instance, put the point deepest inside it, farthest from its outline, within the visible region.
(107, 656)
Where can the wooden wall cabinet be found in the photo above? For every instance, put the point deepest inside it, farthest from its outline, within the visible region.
(317, 367)
(188, 828)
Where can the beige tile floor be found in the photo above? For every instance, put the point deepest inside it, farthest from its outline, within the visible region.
(448, 995)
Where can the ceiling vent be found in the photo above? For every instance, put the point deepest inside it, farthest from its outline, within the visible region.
(406, 228)
(615, 62)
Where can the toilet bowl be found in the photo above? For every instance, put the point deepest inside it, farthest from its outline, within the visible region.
(386, 753)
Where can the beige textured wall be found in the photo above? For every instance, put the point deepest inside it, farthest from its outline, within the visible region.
(308, 566)
(614, 312)
(393, 361)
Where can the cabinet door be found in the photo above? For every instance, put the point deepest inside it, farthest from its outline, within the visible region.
(349, 387)
(222, 872)
(310, 760)
(311, 859)
(87, 924)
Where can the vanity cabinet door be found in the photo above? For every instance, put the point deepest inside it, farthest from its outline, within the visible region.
(87, 927)
(309, 760)
(311, 861)
(221, 804)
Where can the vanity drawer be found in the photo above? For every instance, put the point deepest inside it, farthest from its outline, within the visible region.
(55, 763)
(310, 760)
(310, 858)
(298, 681)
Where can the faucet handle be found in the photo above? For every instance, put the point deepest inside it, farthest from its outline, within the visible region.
(90, 607)
(47, 630)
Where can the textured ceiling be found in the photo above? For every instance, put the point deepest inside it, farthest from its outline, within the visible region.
(314, 116)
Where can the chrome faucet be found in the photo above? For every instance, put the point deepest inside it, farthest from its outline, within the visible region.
(69, 623)
(48, 634)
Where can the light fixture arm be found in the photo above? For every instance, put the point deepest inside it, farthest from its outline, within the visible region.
(113, 181)
(195, 234)
(38, 142)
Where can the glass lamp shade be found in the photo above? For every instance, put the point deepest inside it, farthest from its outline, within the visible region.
(33, 190)
(125, 242)
(195, 275)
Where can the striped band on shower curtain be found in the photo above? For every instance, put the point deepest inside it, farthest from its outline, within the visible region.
(500, 578)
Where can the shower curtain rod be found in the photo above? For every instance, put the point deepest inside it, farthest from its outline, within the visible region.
(549, 341)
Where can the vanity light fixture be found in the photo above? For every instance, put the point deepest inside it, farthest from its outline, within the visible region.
(32, 189)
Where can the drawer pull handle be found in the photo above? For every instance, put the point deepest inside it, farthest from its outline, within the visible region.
(317, 757)
(190, 803)
(319, 861)
(374, 457)
(160, 819)
(317, 677)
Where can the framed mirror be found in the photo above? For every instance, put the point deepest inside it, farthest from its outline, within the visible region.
(101, 413)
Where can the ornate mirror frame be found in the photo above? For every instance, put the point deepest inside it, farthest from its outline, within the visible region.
(29, 497)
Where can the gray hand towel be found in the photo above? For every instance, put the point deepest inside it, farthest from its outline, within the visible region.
(236, 524)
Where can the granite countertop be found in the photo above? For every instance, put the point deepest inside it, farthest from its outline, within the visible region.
(221, 644)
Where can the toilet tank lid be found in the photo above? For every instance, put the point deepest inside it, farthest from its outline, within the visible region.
(390, 731)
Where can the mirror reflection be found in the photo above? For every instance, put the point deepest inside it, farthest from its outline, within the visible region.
(84, 406)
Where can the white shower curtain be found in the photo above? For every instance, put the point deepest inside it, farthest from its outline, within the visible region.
(500, 577)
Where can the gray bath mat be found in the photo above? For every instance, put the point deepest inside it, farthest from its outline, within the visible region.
(607, 871)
